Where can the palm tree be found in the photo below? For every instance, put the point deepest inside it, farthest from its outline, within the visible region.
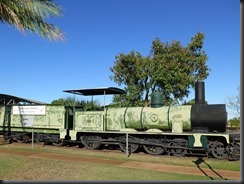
(29, 15)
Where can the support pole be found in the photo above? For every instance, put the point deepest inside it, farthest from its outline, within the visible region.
(104, 100)
(104, 110)
(92, 103)
(74, 111)
(32, 141)
(127, 144)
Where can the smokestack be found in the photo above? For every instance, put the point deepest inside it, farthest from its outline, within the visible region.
(199, 93)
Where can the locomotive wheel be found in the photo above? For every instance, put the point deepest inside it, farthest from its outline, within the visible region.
(153, 150)
(91, 142)
(235, 152)
(219, 151)
(59, 143)
(236, 149)
(131, 147)
(24, 139)
(181, 151)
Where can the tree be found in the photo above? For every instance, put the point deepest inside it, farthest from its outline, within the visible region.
(169, 68)
(128, 70)
(191, 102)
(69, 101)
(234, 122)
(29, 15)
(234, 102)
(234, 105)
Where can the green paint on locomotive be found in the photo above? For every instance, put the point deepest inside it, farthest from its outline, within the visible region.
(50, 122)
(155, 118)
(89, 120)
(182, 114)
(203, 141)
(138, 118)
(5, 117)
(144, 118)
(112, 119)
(36, 130)
(115, 119)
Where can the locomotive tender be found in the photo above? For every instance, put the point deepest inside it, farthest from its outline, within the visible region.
(198, 129)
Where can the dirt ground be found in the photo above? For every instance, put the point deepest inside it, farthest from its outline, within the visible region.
(209, 172)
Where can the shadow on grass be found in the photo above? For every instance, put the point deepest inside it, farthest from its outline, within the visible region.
(201, 160)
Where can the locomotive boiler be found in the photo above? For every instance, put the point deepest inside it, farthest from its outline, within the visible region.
(200, 117)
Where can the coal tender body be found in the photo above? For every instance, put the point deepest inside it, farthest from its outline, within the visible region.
(198, 129)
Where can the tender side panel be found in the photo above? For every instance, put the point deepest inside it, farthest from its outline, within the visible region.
(89, 120)
(2, 113)
(50, 122)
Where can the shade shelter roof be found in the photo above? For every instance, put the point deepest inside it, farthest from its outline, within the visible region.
(6, 99)
(97, 91)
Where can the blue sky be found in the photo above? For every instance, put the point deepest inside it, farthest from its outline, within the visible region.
(98, 30)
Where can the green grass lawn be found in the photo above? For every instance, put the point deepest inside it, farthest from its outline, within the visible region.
(27, 168)
(24, 168)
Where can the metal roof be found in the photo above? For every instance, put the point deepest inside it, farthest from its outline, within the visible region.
(97, 91)
(14, 100)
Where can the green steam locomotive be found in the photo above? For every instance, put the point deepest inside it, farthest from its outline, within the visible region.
(198, 129)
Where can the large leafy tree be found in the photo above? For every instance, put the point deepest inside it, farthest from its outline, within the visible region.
(29, 15)
(127, 70)
(170, 68)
